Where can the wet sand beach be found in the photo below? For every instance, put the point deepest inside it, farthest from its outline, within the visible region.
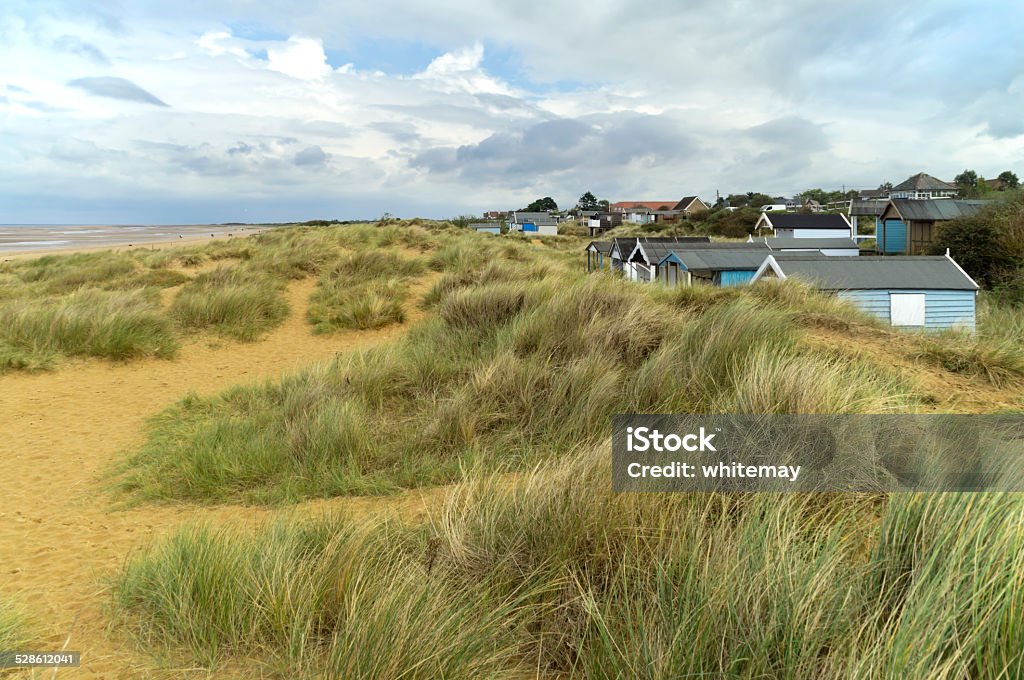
(35, 240)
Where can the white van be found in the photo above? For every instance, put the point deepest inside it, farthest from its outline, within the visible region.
(774, 207)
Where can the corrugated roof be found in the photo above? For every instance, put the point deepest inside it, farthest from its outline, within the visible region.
(718, 260)
(868, 207)
(936, 210)
(922, 181)
(781, 220)
(600, 246)
(874, 273)
(657, 249)
(788, 243)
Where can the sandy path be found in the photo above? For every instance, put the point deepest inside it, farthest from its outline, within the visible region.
(60, 431)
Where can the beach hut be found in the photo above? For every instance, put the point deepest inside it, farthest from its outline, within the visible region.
(826, 246)
(641, 260)
(596, 252)
(907, 226)
(931, 292)
(486, 228)
(717, 264)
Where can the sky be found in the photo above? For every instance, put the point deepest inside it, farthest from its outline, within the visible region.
(231, 110)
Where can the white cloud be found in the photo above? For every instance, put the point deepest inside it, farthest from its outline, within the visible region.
(301, 58)
(461, 71)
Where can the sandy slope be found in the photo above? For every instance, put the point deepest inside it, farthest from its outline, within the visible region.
(60, 431)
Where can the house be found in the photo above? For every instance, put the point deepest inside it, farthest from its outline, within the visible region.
(647, 260)
(799, 225)
(811, 205)
(638, 215)
(495, 215)
(907, 226)
(691, 205)
(539, 223)
(627, 206)
(904, 291)
(832, 247)
(596, 253)
(872, 194)
(923, 186)
(599, 222)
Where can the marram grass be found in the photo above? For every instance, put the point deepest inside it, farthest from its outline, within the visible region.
(550, 573)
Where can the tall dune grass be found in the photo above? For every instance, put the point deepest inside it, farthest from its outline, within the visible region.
(552, 572)
(504, 374)
(315, 599)
(86, 323)
(236, 302)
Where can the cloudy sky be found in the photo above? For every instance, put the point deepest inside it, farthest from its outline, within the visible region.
(224, 110)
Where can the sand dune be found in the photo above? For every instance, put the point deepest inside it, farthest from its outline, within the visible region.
(61, 432)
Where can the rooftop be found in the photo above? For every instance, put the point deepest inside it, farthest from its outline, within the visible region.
(932, 210)
(874, 273)
(922, 181)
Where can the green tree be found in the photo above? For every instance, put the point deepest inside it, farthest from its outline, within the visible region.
(1008, 179)
(542, 205)
(588, 201)
(604, 205)
(989, 245)
(968, 179)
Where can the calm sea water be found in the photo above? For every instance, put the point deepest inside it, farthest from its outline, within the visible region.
(20, 238)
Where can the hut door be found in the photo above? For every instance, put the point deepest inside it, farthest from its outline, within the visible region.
(906, 309)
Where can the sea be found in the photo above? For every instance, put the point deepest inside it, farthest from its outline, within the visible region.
(32, 238)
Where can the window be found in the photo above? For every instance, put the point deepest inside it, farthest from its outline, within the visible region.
(906, 309)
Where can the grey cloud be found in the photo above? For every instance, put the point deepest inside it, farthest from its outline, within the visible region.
(790, 132)
(405, 133)
(75, 45)
(592, 146)
(311, 156)
(116, 88)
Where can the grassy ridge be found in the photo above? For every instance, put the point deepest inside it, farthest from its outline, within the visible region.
(516, 363)
(554, 573)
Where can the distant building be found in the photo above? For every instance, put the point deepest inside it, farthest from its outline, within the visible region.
(691, 205)
(539, 223)
(599, 222)
(798, 225)
(923, 186)
(486, 227)
(628, 206)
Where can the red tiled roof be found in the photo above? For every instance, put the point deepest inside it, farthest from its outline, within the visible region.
(651, 205)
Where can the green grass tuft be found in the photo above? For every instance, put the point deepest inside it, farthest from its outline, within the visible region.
(238, 303)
